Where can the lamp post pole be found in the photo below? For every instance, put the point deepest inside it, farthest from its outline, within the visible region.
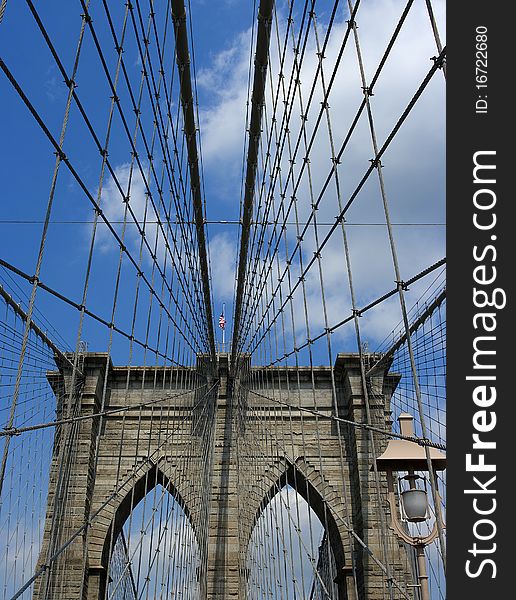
(408, 456)
(422, 573)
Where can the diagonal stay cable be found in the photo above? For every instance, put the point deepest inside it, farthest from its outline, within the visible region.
(436, 303)
(338, 220)
(284, 129)
(324, 105)
(19, 430)
(162, 130)
(104, 504)
(71, 84)
(257, 103)
(79, 307)
(285, 454)
(37, 330)
(361, 311)
(88, 194)
(416, 440)
(183, 63)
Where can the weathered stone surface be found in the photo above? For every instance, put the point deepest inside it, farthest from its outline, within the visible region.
(112, 463)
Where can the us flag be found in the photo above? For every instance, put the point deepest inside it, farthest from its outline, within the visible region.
(222, 321)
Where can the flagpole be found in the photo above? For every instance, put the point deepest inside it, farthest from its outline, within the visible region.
(224, 328)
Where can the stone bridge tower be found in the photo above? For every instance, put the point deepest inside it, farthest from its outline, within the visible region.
(108, 475)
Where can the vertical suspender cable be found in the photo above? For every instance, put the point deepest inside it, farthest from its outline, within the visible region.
(187, 102)
(257, 101)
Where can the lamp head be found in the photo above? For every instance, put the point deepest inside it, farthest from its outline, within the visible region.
(414, 501)
(404, 455)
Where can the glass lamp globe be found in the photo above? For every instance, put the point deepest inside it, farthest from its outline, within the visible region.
(415, 505)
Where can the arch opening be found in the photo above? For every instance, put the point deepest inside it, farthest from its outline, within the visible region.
(154, 548)
(289, 552)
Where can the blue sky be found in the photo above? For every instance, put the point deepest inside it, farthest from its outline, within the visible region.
(414, 171)
(414, 168)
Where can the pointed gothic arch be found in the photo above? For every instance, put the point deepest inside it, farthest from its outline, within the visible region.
(320, 497)
(107, 531)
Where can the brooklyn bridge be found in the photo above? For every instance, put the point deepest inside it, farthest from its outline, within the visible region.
(222, 300)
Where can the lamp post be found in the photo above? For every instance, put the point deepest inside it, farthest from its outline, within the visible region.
(407, 456)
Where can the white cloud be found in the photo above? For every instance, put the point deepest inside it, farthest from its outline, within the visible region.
(54, 86)
(140, 215)
(290, 532)
(223, 122)
(163, 548)
(112, 203)
(223, 252)
(413, 172)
